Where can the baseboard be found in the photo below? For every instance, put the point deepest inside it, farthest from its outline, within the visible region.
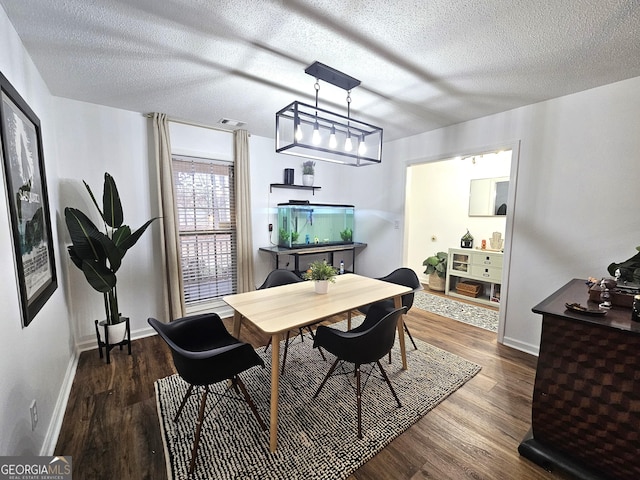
(523, 347)
(92, 344)
(51, 437)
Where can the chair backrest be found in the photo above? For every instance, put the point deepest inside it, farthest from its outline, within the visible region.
(203, 350)
(377, 341)
(280, 277)
(406, 277)
(362, 346)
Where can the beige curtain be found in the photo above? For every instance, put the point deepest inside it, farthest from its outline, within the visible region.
(170, 257)
(243, 211)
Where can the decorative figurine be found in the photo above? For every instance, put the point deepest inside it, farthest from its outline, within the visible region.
(605, 295)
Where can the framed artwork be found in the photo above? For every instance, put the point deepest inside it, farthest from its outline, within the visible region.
(27, 200)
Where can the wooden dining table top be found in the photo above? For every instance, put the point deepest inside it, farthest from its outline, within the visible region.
(282, 308)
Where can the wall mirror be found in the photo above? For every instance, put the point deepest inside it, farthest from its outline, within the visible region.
(488, 196)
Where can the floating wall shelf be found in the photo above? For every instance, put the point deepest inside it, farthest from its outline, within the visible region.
(299, 187)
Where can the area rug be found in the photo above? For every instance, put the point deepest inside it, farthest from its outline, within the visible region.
(317, 438)
(463, 312)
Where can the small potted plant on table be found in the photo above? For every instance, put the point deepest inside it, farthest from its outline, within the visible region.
(321, 273)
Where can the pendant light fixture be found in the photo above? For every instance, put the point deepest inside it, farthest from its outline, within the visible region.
(316, 133)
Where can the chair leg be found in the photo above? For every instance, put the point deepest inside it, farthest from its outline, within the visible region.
(284, 356)
(386, 379)
(266, 347)
(406, 329)
(252, 405)
(333, 367)
(313, 337)
(183, 403)
(359, 401)
(196, 440)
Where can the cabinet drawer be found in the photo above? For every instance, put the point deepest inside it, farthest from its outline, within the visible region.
(487, 260)
(487, 273)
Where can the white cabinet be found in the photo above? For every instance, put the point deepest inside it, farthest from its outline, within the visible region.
(470, 271)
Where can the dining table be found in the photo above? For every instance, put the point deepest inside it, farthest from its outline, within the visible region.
(277, 310)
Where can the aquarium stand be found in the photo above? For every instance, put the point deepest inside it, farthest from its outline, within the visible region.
(296, 253)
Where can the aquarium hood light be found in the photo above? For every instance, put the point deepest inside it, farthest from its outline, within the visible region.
(319, 134)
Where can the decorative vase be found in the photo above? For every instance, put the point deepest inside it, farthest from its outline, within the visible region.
(117, 332)
(322, 286)
(436, 282)
(307, 180)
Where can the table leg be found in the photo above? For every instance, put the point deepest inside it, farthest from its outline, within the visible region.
(237, 323)
(403, 351)
(349, 320)
(275, 381)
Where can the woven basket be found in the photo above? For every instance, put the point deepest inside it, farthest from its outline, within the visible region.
(470, 289)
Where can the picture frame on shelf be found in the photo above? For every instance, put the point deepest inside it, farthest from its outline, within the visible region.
(22, 158)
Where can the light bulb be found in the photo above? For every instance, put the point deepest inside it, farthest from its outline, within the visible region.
(362, 148)
(333, 143)
(315, 138)
(298, 131)
(348, 146)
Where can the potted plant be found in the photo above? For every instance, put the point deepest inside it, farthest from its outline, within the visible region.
(437, 270)
(99, 255)
(322, 273)
(308, 170)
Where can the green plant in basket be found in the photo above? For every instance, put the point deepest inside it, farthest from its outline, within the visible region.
(320, 270)
(436, 264)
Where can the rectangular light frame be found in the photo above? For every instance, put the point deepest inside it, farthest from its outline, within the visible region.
(307, 115)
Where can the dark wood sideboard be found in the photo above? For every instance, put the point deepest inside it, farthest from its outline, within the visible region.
(585, 416)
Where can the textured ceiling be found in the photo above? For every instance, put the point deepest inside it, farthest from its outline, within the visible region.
(423, 64)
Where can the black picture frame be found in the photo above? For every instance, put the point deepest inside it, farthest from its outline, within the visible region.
(27, 200)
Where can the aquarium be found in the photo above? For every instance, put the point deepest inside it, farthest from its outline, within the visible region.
(312, 224)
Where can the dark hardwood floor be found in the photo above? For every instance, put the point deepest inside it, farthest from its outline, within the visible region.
(111, 427)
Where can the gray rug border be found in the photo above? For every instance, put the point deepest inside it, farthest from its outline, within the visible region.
(471, 314)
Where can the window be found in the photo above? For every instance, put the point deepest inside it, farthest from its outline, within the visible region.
(205, 210)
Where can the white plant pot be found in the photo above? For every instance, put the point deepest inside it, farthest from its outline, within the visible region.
(117, 332)
(322, 286)
(307, 180)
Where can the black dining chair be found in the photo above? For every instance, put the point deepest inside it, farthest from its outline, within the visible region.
(277, 278)
(401, 276)
(204, 353)
(365, 344)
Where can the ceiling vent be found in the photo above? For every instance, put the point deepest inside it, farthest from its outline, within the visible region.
(231, 123)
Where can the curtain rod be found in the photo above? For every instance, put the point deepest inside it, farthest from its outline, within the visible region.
(192, 124)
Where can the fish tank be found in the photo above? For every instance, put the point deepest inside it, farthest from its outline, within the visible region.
(303, 224)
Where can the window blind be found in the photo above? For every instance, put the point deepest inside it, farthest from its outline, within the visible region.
(204, 197)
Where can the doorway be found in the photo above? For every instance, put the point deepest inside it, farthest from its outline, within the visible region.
(437, 207)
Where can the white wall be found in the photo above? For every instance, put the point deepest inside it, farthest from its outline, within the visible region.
(36, 362)
(93, 140)
(576, 198)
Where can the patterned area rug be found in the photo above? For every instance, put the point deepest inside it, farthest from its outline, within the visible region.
(317, 438)
(463, 312)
